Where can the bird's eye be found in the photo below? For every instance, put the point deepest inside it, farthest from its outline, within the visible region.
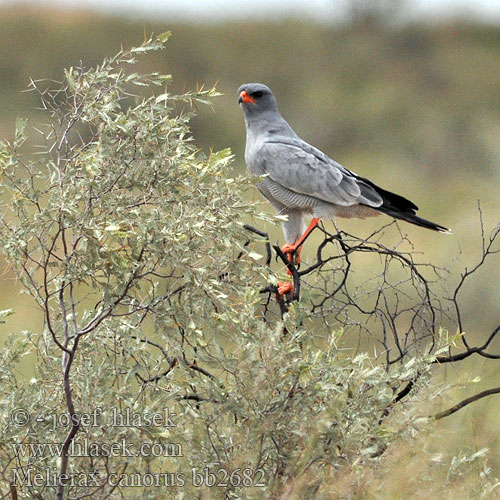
(257, 94)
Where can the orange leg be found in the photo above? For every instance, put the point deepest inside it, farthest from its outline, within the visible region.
(296, 248)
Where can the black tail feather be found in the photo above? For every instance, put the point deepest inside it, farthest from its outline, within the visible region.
(400, 208)
(413, 218)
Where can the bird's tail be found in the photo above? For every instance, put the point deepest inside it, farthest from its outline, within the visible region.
(401, 208)
(413, 218)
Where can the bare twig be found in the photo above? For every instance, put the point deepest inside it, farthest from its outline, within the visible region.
(465, 402)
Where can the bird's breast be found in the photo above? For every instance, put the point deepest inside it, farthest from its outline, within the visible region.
(254, 162)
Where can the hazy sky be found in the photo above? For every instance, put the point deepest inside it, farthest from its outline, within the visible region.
(221, 9)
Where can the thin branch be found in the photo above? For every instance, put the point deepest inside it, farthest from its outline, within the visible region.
(466, 402)
(264, 235)
(106, 312)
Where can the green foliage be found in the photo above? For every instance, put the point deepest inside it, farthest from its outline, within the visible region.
(131, 242)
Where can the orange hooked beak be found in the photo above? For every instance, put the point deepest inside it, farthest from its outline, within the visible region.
(244, 97)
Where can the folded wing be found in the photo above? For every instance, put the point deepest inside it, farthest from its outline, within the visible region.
(305, 170)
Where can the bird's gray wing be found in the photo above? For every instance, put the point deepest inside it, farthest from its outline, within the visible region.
(301, 168)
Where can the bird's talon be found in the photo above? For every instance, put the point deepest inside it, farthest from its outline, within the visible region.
(285, 287)
(288, 248)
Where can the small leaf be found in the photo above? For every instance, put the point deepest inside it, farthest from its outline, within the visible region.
(163, 37)
(5, 313)
(281, 217)
(161, 98)
(480, 453)
(255, 255)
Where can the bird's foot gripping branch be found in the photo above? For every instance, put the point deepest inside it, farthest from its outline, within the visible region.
(331, 277)
(383, 293)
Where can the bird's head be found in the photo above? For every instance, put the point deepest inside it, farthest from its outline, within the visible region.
(255, 98)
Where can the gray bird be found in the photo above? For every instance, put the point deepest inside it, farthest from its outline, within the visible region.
(302, 181)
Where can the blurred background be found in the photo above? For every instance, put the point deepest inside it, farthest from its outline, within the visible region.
(406, 93)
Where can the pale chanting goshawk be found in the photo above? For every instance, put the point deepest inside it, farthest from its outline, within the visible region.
(300, 180)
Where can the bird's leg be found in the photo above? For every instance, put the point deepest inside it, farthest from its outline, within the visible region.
(296, 247)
